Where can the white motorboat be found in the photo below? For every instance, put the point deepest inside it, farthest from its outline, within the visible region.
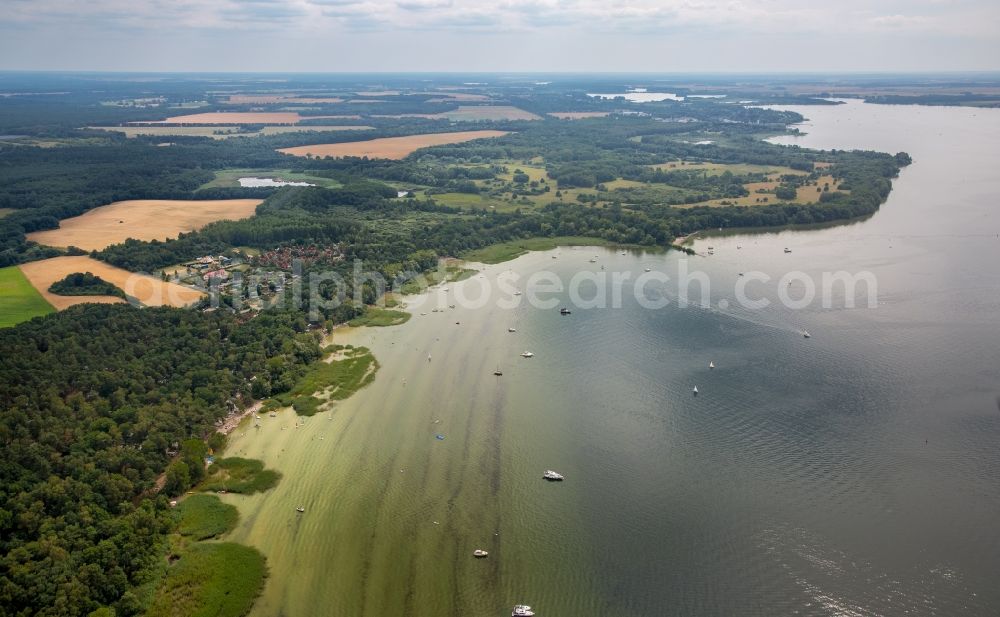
(522, 610)
(711, 365)
(480, 553)
(695, 391)
(552, 476)
(527, 354)
(511, 330)
(300, 509)
(805, 334)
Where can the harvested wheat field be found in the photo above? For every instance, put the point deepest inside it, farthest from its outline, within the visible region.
(142, 219)
(148, 290)
(389, 147)
(233, 117)
(578, 115)
(473, 113)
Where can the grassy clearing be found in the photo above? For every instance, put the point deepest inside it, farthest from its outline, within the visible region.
(377, 317)
(5, 211)
(19, 300)
(717, 169)
(450, 274)
(204, 516)
(238, 475)
(230, 178)
(217, 579)
(498, 253)
(345, 370)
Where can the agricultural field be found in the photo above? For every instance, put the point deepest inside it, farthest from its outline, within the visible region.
(224, 132)
(314, 128)
(19, 301)
(578, 115)
(231, 177)
(389, 147)
(215, 132)
(142, 219)
(473, 113)
(233, 117)
(147, 290)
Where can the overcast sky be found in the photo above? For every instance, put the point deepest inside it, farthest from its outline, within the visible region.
(500, 35)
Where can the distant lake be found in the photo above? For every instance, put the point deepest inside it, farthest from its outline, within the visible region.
(640, 97)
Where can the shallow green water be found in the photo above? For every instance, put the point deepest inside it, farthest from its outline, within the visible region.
(852, 473)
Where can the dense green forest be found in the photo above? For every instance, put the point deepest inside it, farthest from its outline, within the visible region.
(97, 399)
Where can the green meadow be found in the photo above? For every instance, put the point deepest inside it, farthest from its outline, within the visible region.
(19, 301)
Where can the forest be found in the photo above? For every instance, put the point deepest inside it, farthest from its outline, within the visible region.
(97, 400)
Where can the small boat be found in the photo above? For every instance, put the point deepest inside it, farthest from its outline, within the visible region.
(511, 330)
(517, 293)
(711, 365)
(527, 354)
(439, 437)
(552, 476)
(428, 357)
(522, 610)
(648, 269)
(593, 260)
(498, 372)
(480, 553)
(741, 274)
(564, 311)
(555, 257)
(805, 334)
(695, 391)
(300, 509)
(788, 250)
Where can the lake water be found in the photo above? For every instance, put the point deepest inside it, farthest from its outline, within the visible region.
(852, 473)
(640, 97)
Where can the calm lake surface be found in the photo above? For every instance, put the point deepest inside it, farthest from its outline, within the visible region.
(853, 473)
